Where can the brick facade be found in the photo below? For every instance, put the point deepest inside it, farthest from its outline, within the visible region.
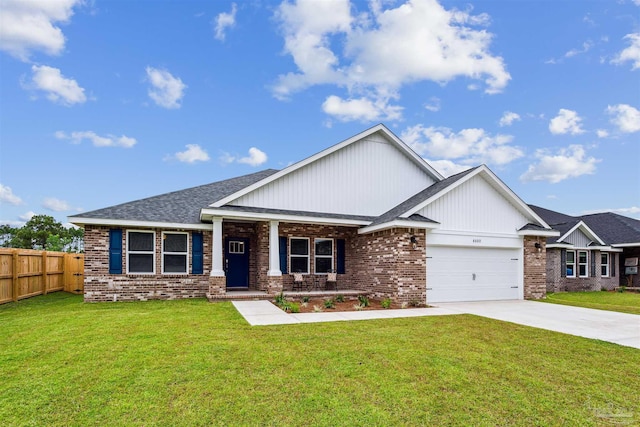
(99, 285)
(535, 261)
(556, 283)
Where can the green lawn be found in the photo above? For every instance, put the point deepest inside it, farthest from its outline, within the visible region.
(65, 363)
(624, 302)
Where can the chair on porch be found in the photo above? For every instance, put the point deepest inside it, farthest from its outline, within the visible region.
(332, 277)
(298, 281)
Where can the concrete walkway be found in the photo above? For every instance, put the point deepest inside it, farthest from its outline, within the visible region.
(618, 328)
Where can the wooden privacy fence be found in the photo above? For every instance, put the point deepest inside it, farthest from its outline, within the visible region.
(25, 273)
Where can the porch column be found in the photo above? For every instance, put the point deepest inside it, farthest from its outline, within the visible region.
(274, 250)
(216, 249)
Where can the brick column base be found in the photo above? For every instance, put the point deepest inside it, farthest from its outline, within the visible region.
(217, 286)
(274, 285)
(535, 268)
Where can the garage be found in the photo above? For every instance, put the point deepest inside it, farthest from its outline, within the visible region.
(456, 273)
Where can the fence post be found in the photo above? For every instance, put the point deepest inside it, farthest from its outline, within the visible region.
(14, 279)
(44, 273)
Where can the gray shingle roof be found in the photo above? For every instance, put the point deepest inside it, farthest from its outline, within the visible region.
(296, 213)
(411, 202)
(610, 227)
(181, 206)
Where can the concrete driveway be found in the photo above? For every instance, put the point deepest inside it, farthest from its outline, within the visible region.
(619, 328)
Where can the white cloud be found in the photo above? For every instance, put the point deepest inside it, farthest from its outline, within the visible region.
(56, 205)
(193, 153)
(625, 117)
(256, 157)
(12, 222)
(567, 121)
(58, 88)
(31, 25)
(567, 163)
(166, 90)
(447, 167)
(362, 109)
(6, 195)
(27, 215)
(97, 140)
(433, 105)
(602, 133)
(632, 211)
(224, 21)
(329, 45)
(472, 146)
(508, 118)
(585, 48)
(631, 53)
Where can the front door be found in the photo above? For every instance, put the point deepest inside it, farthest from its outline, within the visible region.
(236, 257)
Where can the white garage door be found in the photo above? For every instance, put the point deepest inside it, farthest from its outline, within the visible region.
(472, 274)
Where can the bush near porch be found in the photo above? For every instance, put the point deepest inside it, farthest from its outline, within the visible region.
(624, 302)
(190, 362)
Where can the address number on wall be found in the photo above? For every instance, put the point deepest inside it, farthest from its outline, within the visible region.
(477, 240)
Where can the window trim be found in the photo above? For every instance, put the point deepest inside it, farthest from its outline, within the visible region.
(186, 253)
(585, 264)
(316, 256)
(606, 265)
(152, 253)
(571, 263)
(307, 256)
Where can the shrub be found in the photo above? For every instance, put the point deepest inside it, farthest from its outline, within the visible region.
(621, 289)
(294, 308)
(280, 299)
(415, 303)
(306, 298)
(329, 303)
(363, 300)
(386, 303)
(358, 307)
(340, 298)
(317, 309)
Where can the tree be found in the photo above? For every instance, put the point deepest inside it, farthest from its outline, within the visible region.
(43, 232)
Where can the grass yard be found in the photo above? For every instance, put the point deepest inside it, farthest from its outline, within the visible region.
(66, 363)
(624, 302)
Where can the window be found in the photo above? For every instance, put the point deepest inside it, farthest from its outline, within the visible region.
(604, 264)
(299, 255)
(236, 247)
(174, 253)
(141, 252)
(571, 264)
(324, 255)
(583, 259)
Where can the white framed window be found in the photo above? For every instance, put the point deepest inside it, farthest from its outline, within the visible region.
(299, 254)
(583, 261)
(323, 256)
(236, 247)
(571, 263)
(141, 254)
(604, 264)
(175, 252)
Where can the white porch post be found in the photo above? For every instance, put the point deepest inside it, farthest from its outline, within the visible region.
(216, 249)
(274, 250)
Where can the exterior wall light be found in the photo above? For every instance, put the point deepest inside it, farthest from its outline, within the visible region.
(414, 242)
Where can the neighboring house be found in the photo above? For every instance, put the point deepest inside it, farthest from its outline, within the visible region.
(368, 208)
(592, 251)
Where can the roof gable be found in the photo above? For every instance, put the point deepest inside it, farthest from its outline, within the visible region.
(580, 235)
(363, 175)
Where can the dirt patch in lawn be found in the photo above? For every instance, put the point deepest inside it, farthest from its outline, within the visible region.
(346, 305)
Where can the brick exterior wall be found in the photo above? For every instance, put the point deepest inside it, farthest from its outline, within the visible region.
(386, 265)
(99, 285)
(556, 283)
(535, 261)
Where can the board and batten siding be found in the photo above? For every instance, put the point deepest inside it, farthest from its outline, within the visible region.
(578, 239)
(367, 177)
(475, 206)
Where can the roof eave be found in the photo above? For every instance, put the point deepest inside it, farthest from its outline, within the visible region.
(207, 214)
(399, 223)
(136, 223)
(581, 224)
(542, 233)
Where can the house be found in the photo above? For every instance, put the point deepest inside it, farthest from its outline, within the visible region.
(369, 209)
(593, 252)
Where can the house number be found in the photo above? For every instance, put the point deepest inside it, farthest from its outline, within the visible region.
(477, 240)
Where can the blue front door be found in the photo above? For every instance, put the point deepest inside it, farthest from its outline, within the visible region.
(236, 254)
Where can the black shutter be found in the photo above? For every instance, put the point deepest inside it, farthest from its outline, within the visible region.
(612, 263)
(197, 252)
(563, 263)
(115, 251)
(593, 263)
(340, 249)
(283, 254)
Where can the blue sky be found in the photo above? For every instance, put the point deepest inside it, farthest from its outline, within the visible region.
(103, 102)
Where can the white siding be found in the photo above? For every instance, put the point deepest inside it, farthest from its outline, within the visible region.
(578, 239)
(475, 206)
(367, 177)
